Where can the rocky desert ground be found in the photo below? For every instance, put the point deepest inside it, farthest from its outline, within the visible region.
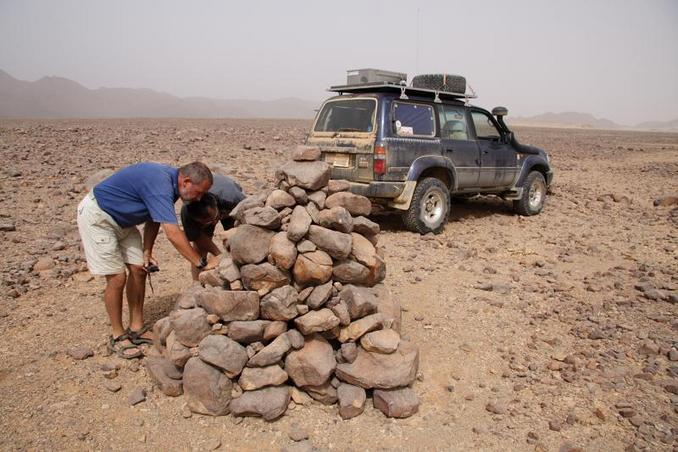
(551, 333)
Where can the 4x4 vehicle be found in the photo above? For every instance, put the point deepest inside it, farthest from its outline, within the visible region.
(412, 148)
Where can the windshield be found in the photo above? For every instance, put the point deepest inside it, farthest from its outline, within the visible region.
(351, 115)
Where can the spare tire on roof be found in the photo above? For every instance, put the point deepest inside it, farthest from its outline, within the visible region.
(440, 82)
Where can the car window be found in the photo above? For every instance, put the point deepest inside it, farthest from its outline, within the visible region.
(351, 115)
(453, 123)
(413, 120)
(485, 128)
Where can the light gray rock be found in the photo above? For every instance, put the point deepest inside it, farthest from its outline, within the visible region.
(316, 321)
(224, 353)
(382, 341)
(249, 244)
(229, 305)
(364, 226)
(307, 175)
(280, 304)
(299, 223)
(318, 197)
(336, 244)
(279, 199)
(253, 378)
(264, 217)
(189, 325)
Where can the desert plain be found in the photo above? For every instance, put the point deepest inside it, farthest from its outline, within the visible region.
(557, 332)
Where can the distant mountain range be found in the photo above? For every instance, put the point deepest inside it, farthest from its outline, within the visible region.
(56, 97)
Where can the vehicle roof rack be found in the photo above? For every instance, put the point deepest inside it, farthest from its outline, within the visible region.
(404, 90)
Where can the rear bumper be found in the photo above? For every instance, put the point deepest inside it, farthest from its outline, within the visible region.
(378, 189)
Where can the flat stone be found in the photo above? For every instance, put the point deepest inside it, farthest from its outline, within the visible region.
(380, 371)
(190, 325)
(263, 278)
(351, 400)
(258, 377)
(269, 403)
(356, 329)
(318, 198)
(319, 295)
(272, 353)
(324, 393)
(356, 204)
(313, 364)
(250, 244)
(305, 153)
(365, 226)
(230, 305)
(206, 389)
(247, 331)
(351, 272)
(316, 321)
(249, 202)
(307, 175)
(274, 329)
(299, 223)
(165, 374)
(306, 246)
(312, 268)
(383, 341)
(80, 352)
(282, 251)
(336, 244)
(224, 353)
(336, 218)
(279, 199)
(337, 185)
(211, 278)
(398, 403)
(280, 304)
(360, 301)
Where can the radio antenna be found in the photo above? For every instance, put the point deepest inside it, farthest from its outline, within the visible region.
(416, 65)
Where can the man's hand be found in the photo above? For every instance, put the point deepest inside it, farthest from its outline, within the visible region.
(149, 259)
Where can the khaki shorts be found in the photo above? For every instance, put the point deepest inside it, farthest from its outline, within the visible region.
(108, 247)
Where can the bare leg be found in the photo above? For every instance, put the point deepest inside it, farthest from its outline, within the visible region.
(136, 291)
(113, 301)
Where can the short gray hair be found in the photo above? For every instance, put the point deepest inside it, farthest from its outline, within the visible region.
(197, 172)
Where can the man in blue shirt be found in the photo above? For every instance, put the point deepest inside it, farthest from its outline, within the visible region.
(144, 193)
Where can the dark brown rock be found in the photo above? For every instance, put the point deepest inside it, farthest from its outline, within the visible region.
(206, 389)
(383, 341)
(313, 268)
(306, 153)
(247, 331)
(399, 403)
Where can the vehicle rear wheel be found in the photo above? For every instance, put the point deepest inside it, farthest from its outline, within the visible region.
(430, 207)
(534, 195)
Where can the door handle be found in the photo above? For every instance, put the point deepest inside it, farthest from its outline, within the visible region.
(485, 151)
(449, 150)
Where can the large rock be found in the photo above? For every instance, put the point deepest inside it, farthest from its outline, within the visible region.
(165, 375)
(351, 400)
(355, 204)
(161, 329)
(228, 270)
(176, 352)
(299, 194)
(359, 300)
(257, 200)
(351, 272)
(313, 268)
(307, 175)
(224, 353)
(398, 403)
(272, 353)
(282, 252)
(248, 331)
(299, 224)
(304, 153)
(279, 199)
(336, 218)
(249, 244)
(313, 364)
(274, 329)
(364, 226)
(280, 304)
(269, 403)
(206, 389)
(319, 295)
(263, 277)
(336, 244)
(230, 305)
(253, 378)
(318, 198)
(358, 328)
(337, 185)
(265, 217)
(316, 321)
(190, 325)
(376, 370)
(382, 341)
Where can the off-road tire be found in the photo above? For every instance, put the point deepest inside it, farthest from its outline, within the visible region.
(534, 195)
(430, 207)
(440, 82)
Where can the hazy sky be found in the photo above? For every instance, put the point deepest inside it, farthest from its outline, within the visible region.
(614, 59)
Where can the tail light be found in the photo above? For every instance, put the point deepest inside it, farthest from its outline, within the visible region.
(379, 160)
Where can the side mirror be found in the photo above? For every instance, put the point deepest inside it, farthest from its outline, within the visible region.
(500, 111)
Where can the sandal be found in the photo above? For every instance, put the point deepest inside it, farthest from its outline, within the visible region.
(115, 346)
(135, 336)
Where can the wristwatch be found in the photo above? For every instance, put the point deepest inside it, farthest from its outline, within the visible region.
(202, 264)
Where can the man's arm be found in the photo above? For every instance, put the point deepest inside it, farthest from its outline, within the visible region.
(206, 243)
(177, 238)
(150, 233)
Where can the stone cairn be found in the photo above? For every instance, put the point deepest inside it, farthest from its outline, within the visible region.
(294, 312)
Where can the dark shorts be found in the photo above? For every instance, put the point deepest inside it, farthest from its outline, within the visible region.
(193, 229)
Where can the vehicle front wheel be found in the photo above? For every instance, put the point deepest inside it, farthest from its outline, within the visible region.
(430, 207)
(534, 195)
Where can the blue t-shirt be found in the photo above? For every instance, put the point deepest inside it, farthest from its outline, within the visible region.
(140, 193)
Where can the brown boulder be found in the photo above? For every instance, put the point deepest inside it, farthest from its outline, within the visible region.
(337, 185)
(318, 198)
(399, 403)
(230, 305)
(313, 364)
(282, 252)
(364, 226)
(376, 370)
(224, 353)
(336, 244)
(190, 325)
(351, 272)
(307, 175)
(263, 277)
(312, 268)
(279, 199)
(319, 295)
(280, 304)
(358, 328)
(259, 377)
(206, 389)
(269, 403)
(359, 300)
(305, 153)
(355, 204)
(299, 224)
(264, 217)
(316, 321)
(351, 400)
(272, 353)
(249, 244)
(382, 341)
(336, 218)
(247, 331)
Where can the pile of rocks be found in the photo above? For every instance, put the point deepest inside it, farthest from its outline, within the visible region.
(294, 312)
